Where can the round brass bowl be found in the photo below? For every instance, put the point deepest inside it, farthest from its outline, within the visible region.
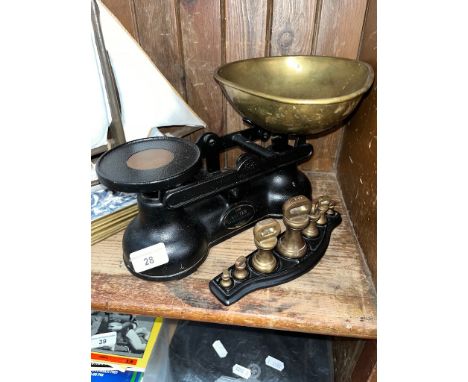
(295, 94)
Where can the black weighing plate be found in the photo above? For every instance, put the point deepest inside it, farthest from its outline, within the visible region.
(192, 358)
(149, 164)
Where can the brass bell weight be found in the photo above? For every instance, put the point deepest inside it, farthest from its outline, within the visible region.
(226, 280)
(296, 218)
(265, 239)
(321, 208)
(312, 230)
(324, 205)
(240, 269)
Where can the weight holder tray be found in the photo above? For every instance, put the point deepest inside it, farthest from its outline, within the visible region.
(286, 270)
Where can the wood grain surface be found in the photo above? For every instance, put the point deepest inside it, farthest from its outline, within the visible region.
(124, 10)
(201, 41)
(357, 165)
(346, 353)
(338, 34)
(246, 27)
(292, 30)
(357, 173)
(337, 297)
(365, 369)
(159, 32)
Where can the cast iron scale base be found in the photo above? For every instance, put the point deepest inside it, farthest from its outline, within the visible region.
(286, 269)
(188, 203)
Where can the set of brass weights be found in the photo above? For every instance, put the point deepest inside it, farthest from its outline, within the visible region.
(280, 257)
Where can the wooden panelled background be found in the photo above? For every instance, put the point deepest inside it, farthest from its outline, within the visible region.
(357, 175)
(189, 39)
(357, 165)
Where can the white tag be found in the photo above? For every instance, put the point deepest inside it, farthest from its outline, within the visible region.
(104, 339)
(241, 371)
(149, 257)
(220, 349)
(274, 363)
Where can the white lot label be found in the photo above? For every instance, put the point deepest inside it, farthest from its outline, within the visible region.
(149, 257)
(241, 371)
(274, 363)
(220, 349)
(104, 339)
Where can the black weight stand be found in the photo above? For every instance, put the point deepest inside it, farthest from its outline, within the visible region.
(286, 269)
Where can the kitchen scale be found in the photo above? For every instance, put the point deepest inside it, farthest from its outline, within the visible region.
(187, 203)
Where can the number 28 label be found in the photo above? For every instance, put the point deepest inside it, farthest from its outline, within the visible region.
(149, 257)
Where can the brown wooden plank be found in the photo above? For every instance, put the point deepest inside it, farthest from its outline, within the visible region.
(357, 165)
(292, 27)
(246, 23)
(292, 30)
(201, 37)
(373, 375)
(338, 34)
(160, 38)
(340, 27)
(337, 297)
(124, 10)
(367, 363)
(346, 353)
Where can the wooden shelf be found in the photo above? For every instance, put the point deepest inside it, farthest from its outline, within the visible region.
(337, 297)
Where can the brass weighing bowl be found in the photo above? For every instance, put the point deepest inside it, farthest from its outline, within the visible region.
(295, 94)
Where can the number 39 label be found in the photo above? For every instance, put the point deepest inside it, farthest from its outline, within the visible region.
(104, 339)
(149, 257)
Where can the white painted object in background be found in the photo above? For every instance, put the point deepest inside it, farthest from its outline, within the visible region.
(99, 113)
(147, 99)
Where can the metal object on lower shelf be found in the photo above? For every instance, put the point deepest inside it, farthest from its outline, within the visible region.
(286, 270)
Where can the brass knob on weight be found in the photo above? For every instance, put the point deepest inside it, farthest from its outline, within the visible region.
(296, 218)
(311, 230)
(325, 207)
(265, 239)
(226, 280)
(240, 268)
